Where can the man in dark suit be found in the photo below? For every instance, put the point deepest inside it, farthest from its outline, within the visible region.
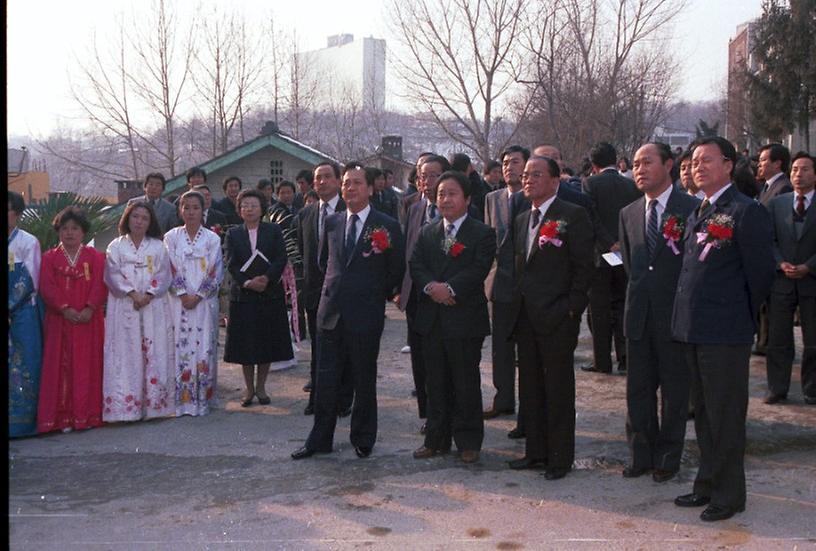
(478, 187)
(610, 192)
(362, 255)
(728, 269)
(772, 169)
(227, 205)
(774, 160)
(383, 198)
(309, 223)
(794, 223)
(304, 181)
(422, 212)
(554, 269)
(499, 215)
(450, 262)
(412, 197)
(213, 219)
(652, 257)
(166, 214)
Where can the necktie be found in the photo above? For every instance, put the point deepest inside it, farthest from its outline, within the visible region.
(431, 212)
(449, 231)
(800, 205)
(651, 226)
(535, 219)
(324, 211)
(703, 207)
(351, 237)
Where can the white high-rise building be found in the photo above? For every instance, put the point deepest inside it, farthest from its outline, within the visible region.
(346, 70)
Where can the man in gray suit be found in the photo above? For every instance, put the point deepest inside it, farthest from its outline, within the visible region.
(165, 211)
(499, 282)
(651, 247)
(794, 222)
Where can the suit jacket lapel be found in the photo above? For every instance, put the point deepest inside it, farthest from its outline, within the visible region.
(360, 238)
(671, 206)
(810, 216)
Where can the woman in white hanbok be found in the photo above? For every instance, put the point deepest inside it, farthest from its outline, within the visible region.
(139, 370)
(197, 269)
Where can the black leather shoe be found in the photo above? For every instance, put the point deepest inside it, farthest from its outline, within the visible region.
(247, 401)
(424, 428)
(622, 368)
(516, 433)
(413, 394)
(590, 368)
(810, 400)
(774, 398)
(362, 451)
(691, 500)
(307, 387)
(302, 453)
(493, 412)
(662, 475)
(715, 512)
(527, 463)
(555, 474)
(344, 412)
(264, 400)
(632, 472)
(758, 351)
(309, 410)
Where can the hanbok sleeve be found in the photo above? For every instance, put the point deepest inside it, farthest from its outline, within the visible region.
(178, 285)
(215, 273)
(20, 291)
(162, 276)
(118, 284)
(49, 289)
(98, 293)
(33, 260)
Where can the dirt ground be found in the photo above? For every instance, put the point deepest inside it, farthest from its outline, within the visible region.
(226, 481)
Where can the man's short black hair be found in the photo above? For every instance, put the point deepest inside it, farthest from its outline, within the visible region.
(305, 174)
(488, 168)
(156, 176)
(459, 178)
(778, 152)
(804, 155)
(439, 159)
(515, 149)
(16, 202)
(603, 154)
(552, 165)
(334, 166)
(663, 149)
(229, 179)
(287, 183)
(460, 162)
(264, 183)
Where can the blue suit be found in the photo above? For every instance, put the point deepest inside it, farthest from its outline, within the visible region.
(715, 312)
(350, 323)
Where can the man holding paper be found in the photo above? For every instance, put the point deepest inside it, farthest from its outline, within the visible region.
(651, 243)
(362, 255)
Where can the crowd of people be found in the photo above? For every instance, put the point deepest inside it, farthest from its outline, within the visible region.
(679, 258)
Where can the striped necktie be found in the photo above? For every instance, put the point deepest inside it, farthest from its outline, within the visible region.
(651, 226)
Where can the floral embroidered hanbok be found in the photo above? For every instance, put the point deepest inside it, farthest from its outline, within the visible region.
(197, 269)
(25, 332)
(139, 380)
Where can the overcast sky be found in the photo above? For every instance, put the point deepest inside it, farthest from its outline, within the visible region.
(44, 35)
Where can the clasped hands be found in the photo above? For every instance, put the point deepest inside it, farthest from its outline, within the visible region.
(140, 300)
(793, 271)
(83, 316)
(257, 283)
(440, 293)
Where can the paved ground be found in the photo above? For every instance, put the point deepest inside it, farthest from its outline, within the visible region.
(226, 481)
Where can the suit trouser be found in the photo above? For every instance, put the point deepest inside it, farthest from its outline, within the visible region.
(719, 392)
(547, 390)
(417, 360)
(346, 388)
(606, 301)
(504, 356)
(454, 391)
(763, 327)
(655, 361)
(344, 352)
(780, 353)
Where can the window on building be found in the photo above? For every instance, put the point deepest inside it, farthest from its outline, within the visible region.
(276, 172)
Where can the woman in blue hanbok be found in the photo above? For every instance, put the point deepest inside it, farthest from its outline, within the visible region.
(25, 330)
